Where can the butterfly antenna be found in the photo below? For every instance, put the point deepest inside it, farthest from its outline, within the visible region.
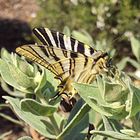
(120, 38)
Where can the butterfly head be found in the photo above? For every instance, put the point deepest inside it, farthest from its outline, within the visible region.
(112, 69)
(107, 63)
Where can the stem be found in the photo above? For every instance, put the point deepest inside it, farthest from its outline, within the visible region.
(11, 119)
(4, 105)
(53, 121)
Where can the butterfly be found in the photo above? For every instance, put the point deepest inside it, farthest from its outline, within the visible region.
(67, 58)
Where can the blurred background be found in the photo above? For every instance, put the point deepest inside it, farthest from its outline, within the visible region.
(106, 25)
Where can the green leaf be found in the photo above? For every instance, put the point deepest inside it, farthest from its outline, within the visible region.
(16, 78)
(134, 106)
(112, 134)
(75, 121)
(41, 80)
(75, 109)
(111, 124)
(25, 67)
(21, 78)
(60, 120)
(94, 118)
(96, 100)
(98, 137)
(49, 90)
(6, 75)
(135, 44)
(76, 132)
(5, 55)
(90, 93)
(134, 63)
(121, 65)
(39, 123)
(83, 36)
(52, 82)
(66, 31)
(128, 132)
(25, 138)
(30, 105)
(114, 92)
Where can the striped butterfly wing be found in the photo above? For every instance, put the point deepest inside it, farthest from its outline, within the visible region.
(63, 66)
(57, 39)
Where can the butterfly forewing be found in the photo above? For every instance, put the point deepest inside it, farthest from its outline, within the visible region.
(56, 39)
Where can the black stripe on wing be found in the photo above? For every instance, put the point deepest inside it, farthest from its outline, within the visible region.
(56, 39)
(30, 52)
(42, 36)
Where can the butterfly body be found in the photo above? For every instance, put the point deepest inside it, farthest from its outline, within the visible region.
(70, 60)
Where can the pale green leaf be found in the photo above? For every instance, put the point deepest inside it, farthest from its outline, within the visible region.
(36, 108)
(135, 44)
(83, 112)
(82, 36)
(134, 106)
(95, 99)
(90, 91)
(16, 78)
(39, 123)
(66, 31)
(112, 134)
(76, 132)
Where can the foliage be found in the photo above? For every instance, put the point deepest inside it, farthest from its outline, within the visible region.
(111, 105)
(135, 45)
(111, 99)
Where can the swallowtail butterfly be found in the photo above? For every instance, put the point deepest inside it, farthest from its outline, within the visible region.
(69, 59)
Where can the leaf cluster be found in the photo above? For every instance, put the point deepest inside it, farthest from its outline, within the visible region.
(104, 104)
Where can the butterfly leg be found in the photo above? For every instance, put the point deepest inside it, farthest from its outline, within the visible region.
(61, 92)
(65, 90)
(57, 95)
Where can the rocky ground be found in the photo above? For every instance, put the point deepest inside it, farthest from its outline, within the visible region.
(15, 16)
